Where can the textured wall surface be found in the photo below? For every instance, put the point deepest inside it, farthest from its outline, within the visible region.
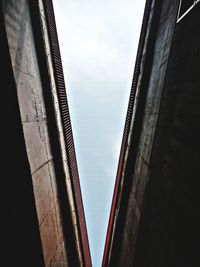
(150, 86)
(169, 230)
(19, 233)
(36, 133)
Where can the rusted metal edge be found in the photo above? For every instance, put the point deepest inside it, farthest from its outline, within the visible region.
(126, 133)
(68, 135)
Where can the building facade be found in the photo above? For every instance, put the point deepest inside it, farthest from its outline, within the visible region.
(43, 222)
(154, 216)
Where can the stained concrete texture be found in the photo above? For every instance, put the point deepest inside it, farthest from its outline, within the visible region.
(33, 115)
(158, 220)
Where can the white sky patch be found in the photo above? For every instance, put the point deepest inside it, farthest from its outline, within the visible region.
(98, 41)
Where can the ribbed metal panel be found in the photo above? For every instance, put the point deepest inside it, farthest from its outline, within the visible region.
(126, 131)
(61, 90)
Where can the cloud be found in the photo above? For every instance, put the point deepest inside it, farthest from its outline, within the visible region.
(98, 40)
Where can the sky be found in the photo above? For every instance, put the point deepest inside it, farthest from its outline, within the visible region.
(98, 41)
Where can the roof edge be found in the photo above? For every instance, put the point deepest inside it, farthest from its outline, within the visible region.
(67, 128)
(110, 229)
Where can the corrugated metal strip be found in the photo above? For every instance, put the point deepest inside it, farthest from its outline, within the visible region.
(126, 131)
(61, 90)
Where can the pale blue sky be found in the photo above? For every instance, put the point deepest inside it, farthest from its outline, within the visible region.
(98, 41)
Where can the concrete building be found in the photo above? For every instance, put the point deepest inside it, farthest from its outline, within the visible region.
(42, 217)
(154, 220)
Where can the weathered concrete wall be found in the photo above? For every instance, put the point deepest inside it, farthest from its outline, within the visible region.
(150, 87)
(169, 229)
(19, 233)
(34, 118)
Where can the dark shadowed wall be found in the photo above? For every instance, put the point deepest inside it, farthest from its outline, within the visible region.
(156, 217)
(20, 238)
(169, 229)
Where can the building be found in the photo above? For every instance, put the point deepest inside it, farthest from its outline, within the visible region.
(42, 216)
(154, 216)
